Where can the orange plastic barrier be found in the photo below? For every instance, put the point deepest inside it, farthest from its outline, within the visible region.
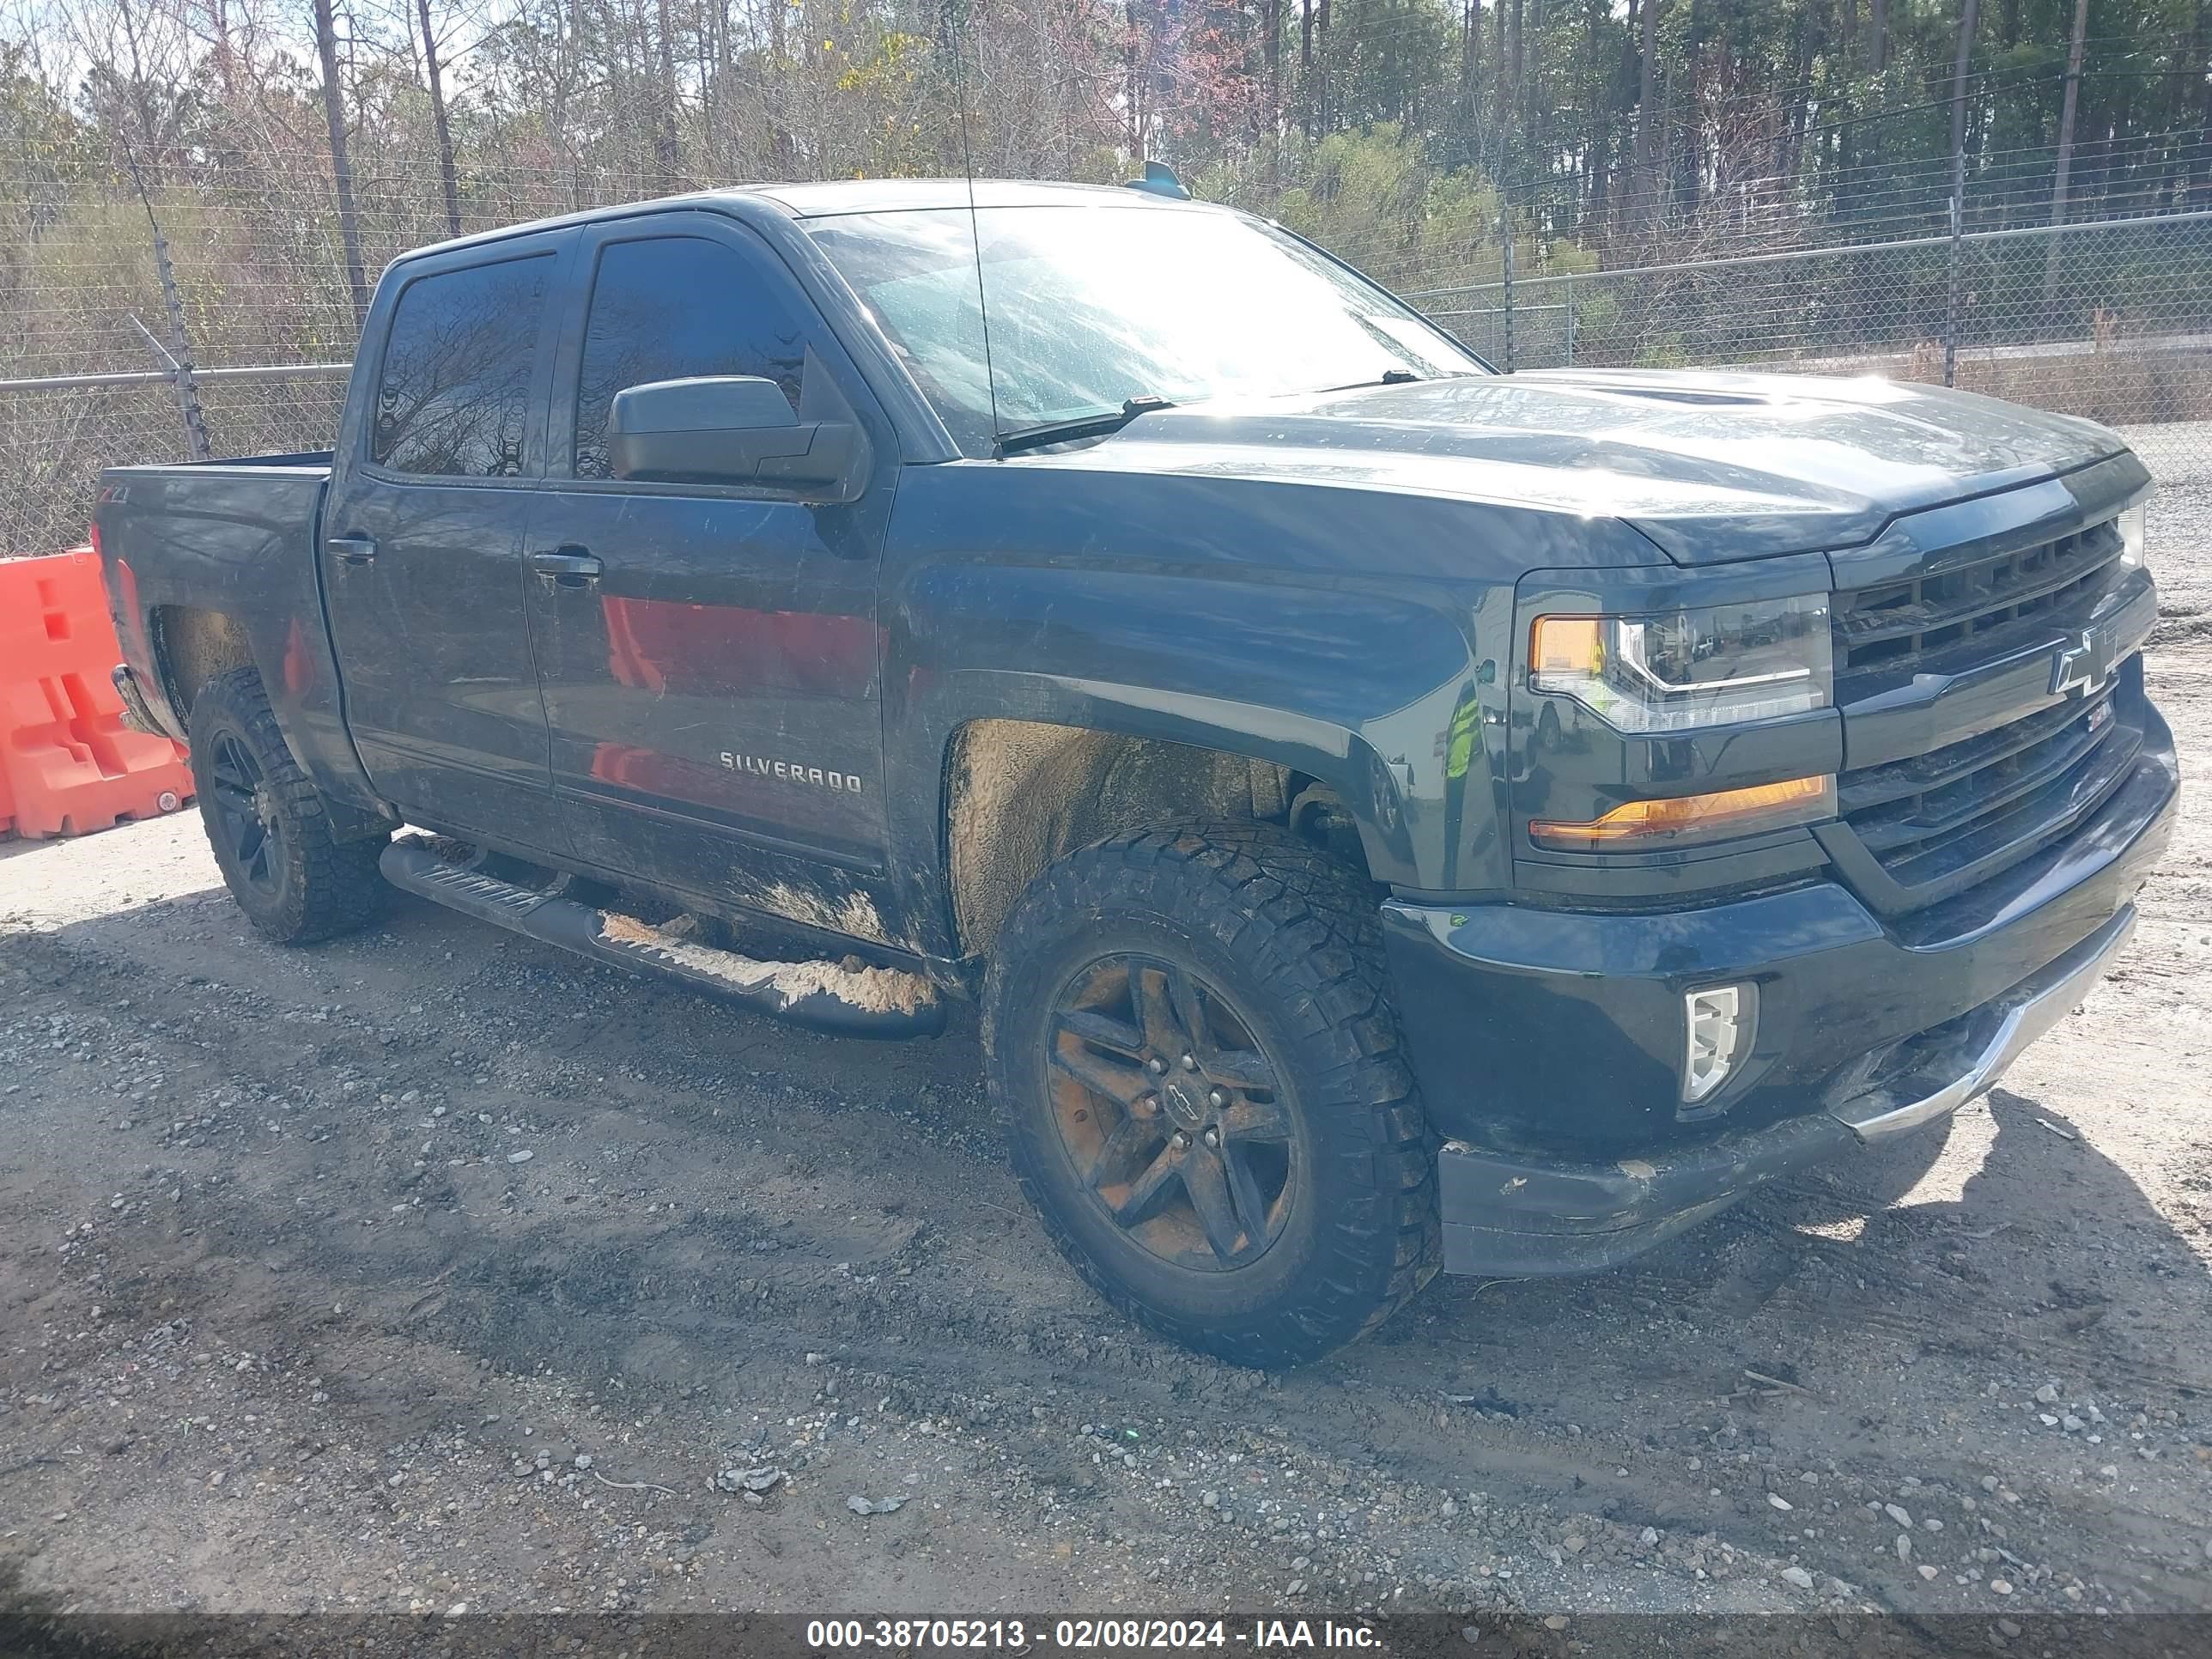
(68, 763)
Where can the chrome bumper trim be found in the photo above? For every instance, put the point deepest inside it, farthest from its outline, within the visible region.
(2025, 1013)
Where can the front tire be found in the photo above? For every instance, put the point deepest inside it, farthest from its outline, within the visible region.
(1190, 1039)
(265, 820)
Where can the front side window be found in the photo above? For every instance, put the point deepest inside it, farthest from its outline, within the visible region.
(1090, 305)
(452, 400)
(668, 308)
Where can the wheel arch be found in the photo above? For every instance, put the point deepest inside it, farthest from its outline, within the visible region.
(1019, 793)
(191, 644)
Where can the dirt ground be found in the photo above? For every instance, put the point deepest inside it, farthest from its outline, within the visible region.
(432, 1268)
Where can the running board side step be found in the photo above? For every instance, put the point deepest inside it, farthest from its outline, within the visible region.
(851, 1000)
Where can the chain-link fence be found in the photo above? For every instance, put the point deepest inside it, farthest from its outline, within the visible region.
(109, 292)
(57, 433)
(2110, 318)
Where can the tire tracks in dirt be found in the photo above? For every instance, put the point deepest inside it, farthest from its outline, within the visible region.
(822, 1214)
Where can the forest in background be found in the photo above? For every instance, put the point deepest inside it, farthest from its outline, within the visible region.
(222, 180)
(305, 141)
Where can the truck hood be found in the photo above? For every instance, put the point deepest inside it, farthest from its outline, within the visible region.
(1709, 466)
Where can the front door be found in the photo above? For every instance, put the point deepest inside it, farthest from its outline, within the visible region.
(708, 655)
(423, 535)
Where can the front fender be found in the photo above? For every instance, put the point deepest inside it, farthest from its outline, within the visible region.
(1382, 688)
(1338, 755)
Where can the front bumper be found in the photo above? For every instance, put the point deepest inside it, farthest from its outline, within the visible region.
(1503, 1215)
(1548, 1043)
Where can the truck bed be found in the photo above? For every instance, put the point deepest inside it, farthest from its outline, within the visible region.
(304, 460)
(211, 564)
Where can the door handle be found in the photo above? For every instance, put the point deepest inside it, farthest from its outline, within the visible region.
(352, 550)
(566, 567)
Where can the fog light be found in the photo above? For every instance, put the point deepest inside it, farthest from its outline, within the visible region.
(1719, 1024)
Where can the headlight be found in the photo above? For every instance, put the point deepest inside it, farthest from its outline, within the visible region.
(2131, 538)
(1712, 666)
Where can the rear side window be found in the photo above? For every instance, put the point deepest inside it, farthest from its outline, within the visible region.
(666, 309)
(453, 400)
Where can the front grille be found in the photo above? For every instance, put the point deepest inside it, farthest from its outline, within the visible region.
(1938, 823)
(1885, 630)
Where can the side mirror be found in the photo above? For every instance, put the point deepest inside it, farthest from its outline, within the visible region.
(732, 429)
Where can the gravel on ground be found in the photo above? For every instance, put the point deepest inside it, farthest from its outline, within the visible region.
(434, 1269)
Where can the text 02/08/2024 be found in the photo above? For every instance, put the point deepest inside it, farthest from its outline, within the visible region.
(1086, 1635)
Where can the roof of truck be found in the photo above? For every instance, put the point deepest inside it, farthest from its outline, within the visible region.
(819, 201)
(893, 195)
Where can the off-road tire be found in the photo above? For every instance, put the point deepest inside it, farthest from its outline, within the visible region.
(310, 885)
(1292, 937)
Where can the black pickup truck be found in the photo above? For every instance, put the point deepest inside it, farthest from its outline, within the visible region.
(1393, 815)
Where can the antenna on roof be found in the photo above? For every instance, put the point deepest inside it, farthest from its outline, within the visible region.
(1160, 181)
(974, 230)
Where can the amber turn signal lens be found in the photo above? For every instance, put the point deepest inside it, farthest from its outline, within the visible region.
(1565, 645)
(1728, 812)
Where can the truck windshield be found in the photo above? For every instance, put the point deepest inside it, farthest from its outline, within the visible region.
(1093, 306)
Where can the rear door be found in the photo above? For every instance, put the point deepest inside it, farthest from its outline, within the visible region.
(709, 654)
(423, 534)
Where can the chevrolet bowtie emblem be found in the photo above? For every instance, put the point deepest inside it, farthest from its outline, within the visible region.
(2082, 666)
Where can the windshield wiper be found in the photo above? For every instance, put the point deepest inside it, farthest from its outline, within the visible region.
(1387, 377)
(1100, 425)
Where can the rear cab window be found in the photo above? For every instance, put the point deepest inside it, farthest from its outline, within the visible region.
(453, 393)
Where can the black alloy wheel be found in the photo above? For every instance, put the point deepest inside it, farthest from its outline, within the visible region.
(270, 827)
(1168, 1104)
(251, 829)
(1188, 1035)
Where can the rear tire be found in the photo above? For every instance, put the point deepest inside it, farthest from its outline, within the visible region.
(266, 822)
(1271, 1197)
